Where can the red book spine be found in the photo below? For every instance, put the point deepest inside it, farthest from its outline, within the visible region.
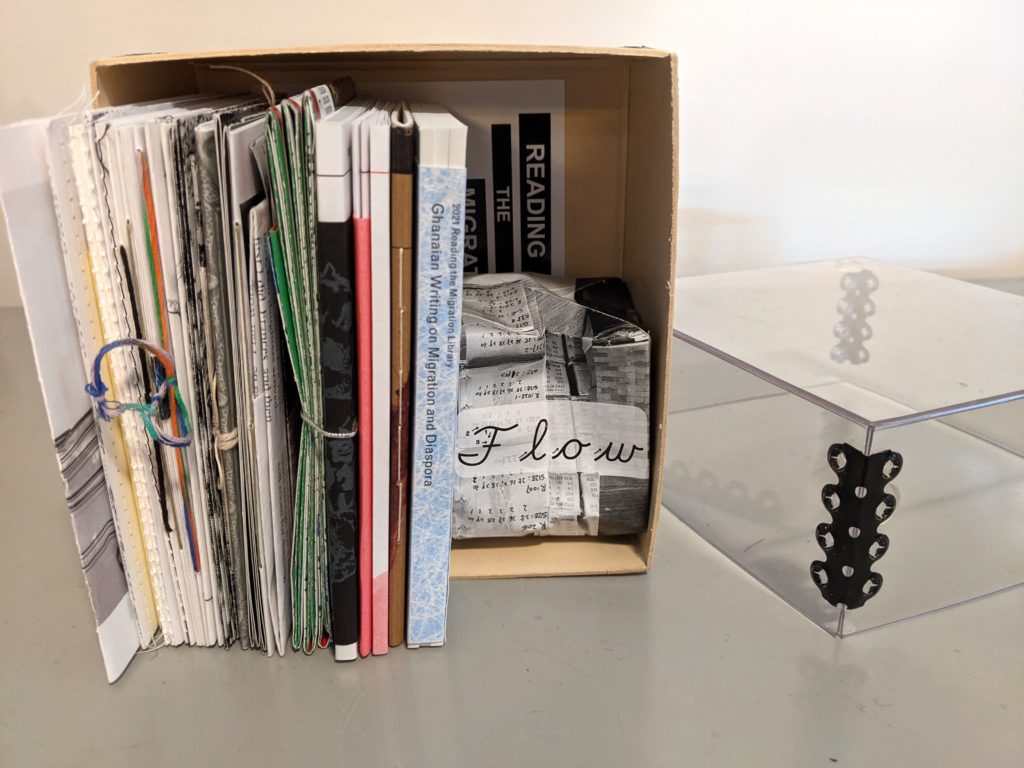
(364, 374)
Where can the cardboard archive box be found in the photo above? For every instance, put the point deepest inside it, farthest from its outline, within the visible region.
(621, 187)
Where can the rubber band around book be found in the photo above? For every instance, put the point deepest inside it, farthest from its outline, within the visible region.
(222, 441)
(166, 386)
(332, 435)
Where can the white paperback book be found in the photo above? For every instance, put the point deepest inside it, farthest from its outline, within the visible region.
(440, 232)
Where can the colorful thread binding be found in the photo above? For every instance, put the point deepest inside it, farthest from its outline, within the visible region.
(150, 412)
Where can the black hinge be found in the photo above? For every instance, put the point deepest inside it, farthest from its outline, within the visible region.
(858, 504)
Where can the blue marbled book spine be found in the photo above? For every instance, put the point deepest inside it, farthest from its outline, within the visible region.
(438, 291)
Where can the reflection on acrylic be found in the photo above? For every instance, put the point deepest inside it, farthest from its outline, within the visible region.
(856, 307)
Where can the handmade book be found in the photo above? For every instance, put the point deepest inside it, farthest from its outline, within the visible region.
(312, 300)
(266, 496)
(219, 292)
(403, 152)
(126, 379)
(336, 270)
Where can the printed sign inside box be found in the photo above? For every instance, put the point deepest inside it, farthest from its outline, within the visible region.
(554, 396)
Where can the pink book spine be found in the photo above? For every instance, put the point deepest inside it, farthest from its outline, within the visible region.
(364, 365)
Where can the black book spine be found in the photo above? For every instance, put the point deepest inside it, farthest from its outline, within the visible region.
(475, 248)
(335, 266)
(535, 192)
(501, 202)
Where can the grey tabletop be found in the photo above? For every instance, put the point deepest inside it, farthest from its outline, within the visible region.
(692, 664)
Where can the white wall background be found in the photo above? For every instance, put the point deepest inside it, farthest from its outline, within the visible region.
(810, 129)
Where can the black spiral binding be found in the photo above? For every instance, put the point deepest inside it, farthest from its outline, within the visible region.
(852, 544)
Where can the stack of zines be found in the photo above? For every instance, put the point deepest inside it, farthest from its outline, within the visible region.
(227, 303)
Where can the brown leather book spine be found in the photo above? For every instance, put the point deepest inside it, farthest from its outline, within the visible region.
(403, 146)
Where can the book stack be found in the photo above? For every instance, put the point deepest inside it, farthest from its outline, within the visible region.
(266, 300)
(246, 310)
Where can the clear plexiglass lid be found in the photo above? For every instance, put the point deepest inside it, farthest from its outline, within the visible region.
(879, 344)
